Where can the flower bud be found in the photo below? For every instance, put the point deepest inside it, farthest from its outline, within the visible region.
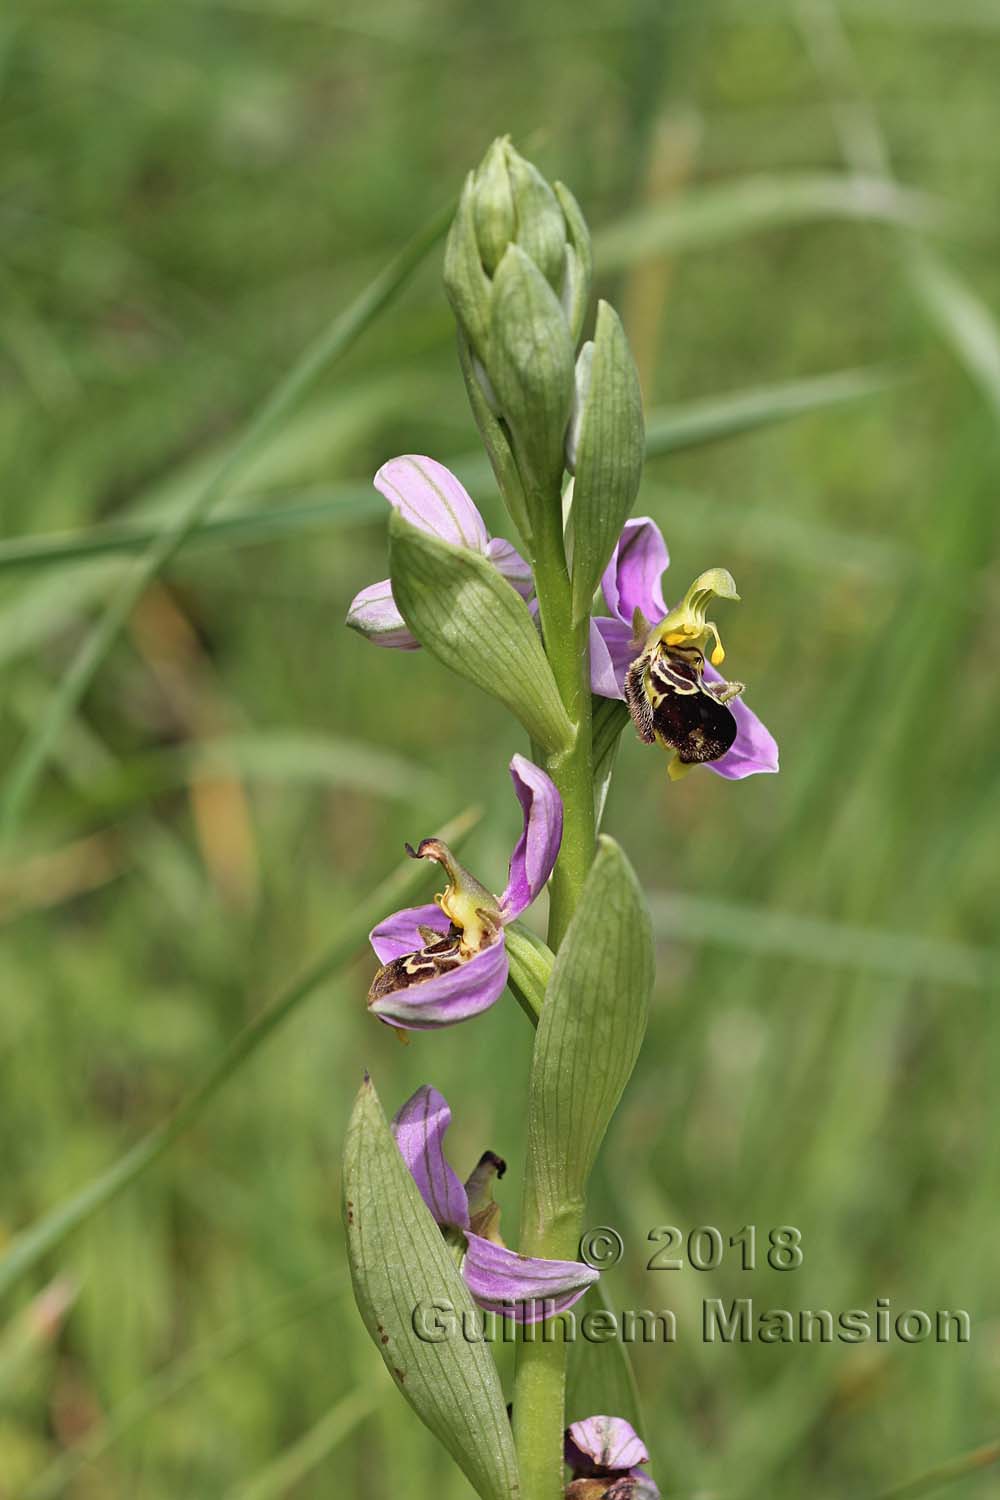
(493, 206)
(509, 202)
(517, 272)
(540, 224)
(530, 366)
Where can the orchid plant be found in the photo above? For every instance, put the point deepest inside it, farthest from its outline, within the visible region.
(571, 631)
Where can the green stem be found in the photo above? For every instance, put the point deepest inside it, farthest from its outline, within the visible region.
(572, 770)
(540, 1380)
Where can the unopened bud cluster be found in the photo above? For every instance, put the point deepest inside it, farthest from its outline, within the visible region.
(518, 272)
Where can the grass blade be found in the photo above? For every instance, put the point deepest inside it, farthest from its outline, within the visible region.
(767, 933)
(669, 430)
(957, 1468)
(177, 1377)
(26, 1249)
(964, 320)
(716, 214)
(329, 506)
(297, 1462)
(718, 417)
(336, 339)
(961, 317)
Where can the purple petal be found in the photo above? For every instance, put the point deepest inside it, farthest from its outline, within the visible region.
(507, 560)
(452, 996)
(604, 1443)
(374, 615)
(399, 934)
(527, 1290)
(632, 578)
(419, 1128)
(611, 653)
(646, 1489)
(429, 496)
(754, 749)
(536, 850)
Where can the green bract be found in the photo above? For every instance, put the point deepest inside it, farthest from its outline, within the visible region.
(531, 369)
(605, 451)
(459, 607)
(590, 1032)
(579, 262)
(400, 1263)
(496, 440)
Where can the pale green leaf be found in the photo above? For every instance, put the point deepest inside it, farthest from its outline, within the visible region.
(400, 1263)
(460, 607)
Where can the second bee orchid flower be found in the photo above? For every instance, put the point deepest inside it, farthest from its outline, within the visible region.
(445, 962)
(632, 586)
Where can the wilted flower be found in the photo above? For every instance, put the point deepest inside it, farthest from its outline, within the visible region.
(430, 497)
(437, 972)
(654, 658)
(525, 1289)
(605, 1455)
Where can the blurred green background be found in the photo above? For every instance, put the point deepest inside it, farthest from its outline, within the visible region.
(191, 190)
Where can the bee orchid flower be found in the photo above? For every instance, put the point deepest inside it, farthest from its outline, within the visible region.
(605, 1455)
(500, 1280)
(446, 962)
(430, 497)
(655, 659)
